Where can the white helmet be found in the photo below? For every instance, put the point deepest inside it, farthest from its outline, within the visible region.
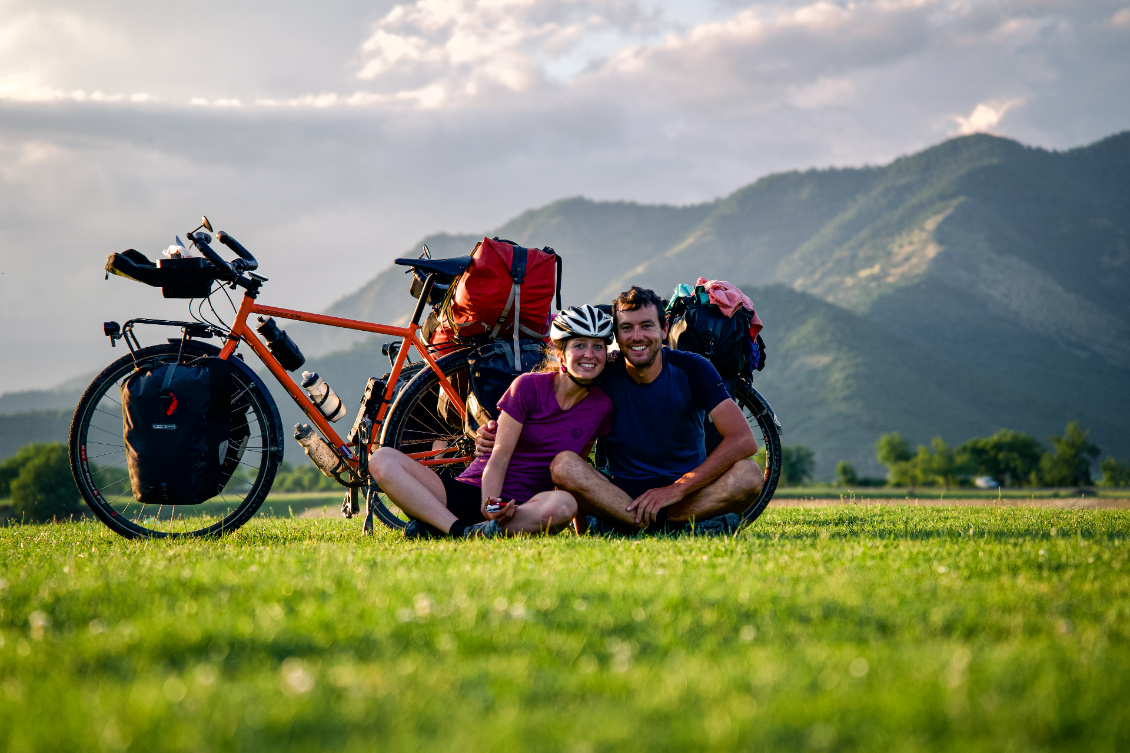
(581, 321)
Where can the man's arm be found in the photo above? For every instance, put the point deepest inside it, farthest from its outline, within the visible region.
(737, 444)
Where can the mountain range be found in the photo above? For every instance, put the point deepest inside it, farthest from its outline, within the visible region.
(976, 285)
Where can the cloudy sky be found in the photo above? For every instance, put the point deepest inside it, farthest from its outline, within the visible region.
(330, 136)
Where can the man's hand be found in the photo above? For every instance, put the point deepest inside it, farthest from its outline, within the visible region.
(648, 504)
(484, 438)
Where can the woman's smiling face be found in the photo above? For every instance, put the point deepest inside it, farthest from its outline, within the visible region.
(584, 357)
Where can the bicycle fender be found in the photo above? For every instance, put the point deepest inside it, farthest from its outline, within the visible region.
(764, 408)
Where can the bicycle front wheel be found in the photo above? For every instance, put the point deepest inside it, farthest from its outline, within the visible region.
(98, 454)
(422, 421)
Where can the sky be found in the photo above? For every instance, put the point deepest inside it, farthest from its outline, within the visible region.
(329, 137)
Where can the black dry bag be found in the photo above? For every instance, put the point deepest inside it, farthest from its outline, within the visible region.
(701, 327)
(183, 435)
(492, 372)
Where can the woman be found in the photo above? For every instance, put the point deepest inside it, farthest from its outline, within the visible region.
(540, 415)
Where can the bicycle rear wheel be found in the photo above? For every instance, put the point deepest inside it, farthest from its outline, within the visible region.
(98, 455)
(765, 427)
(418, 422)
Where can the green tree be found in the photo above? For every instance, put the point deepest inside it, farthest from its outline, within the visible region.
(44, 489)
(1008, 456)
(797, 464)
(1115, 472)
(894, 452)
(938, 461)
(11, 467)
(1070, 464)
(845, 474)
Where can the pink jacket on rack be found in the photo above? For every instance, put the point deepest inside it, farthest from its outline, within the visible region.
(729, 299)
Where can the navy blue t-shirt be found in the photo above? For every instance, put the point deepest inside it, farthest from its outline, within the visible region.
(657, 428)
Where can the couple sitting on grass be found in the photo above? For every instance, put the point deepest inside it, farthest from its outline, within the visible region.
(650, 405)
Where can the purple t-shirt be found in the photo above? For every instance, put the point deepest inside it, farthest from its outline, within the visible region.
(546, 431)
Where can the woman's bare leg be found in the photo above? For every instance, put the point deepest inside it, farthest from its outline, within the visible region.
(550, 512)
(414, 488)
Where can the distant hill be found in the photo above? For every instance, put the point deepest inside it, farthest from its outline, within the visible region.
(976, 285)
(19, 429)
(1012, 261)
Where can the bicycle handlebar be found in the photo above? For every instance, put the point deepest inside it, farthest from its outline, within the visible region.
(236, 246)
(227, 274)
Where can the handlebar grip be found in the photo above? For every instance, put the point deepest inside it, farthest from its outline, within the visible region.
(236, 246)
(226, 272)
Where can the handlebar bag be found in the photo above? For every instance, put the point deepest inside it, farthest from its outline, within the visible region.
(506, 293)
(701, 327)
(177, 423)
(178, 278)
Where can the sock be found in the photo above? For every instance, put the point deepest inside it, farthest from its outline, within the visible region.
(458, 529)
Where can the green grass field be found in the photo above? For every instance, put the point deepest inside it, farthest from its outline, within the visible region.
(836, 628)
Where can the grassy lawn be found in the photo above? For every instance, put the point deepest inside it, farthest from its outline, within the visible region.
(837, 628)
(927, 493)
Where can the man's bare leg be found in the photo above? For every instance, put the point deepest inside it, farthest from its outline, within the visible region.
(733, 491)
(593, 492)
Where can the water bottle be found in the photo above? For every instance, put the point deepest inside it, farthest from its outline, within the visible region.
(318, 451)
(323, 396)
(282, 347)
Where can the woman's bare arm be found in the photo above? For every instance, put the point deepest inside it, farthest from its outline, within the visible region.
(495, 472)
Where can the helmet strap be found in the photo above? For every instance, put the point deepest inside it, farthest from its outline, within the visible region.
(576, 381)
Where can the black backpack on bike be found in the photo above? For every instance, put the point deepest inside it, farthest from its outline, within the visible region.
(699, 326)
(184, 436)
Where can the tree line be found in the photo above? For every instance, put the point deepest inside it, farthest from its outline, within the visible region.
(1010, 458)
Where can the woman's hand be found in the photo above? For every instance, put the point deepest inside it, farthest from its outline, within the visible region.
(502, 514)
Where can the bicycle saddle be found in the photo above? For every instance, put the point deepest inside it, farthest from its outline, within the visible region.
(447, 267)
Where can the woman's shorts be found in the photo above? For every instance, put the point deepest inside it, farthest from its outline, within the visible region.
(463, 500)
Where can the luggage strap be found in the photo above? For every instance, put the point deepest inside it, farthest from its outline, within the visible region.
(517, 276)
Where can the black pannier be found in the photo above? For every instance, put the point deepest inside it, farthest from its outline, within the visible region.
(701, 327)
(184, 437)
(190, 277)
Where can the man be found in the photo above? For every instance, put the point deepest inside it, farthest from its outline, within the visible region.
(660, 476)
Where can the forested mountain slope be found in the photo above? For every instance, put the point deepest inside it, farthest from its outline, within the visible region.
(976, 285)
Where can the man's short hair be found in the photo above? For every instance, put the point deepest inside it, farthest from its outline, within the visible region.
(636, 298)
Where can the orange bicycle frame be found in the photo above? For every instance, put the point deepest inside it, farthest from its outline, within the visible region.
(409, 336)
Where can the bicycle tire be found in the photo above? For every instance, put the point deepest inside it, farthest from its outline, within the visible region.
(764, 423)
(105, 485)
(415, 422)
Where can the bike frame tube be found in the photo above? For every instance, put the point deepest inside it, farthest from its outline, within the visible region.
(240, 330)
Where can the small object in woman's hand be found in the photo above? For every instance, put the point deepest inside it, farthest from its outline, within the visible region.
(495, 504)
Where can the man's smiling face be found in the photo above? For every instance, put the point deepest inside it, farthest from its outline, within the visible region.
(640, 335)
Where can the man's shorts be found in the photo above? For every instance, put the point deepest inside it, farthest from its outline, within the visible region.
(634, 489)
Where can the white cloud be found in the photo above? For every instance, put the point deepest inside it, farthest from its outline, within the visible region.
(1121, 19)
(984, 117)
(532, 100)
(467, 47)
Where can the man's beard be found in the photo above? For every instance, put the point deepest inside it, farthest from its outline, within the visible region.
(654, 353)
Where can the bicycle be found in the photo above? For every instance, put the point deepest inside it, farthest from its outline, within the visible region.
(418, 408)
